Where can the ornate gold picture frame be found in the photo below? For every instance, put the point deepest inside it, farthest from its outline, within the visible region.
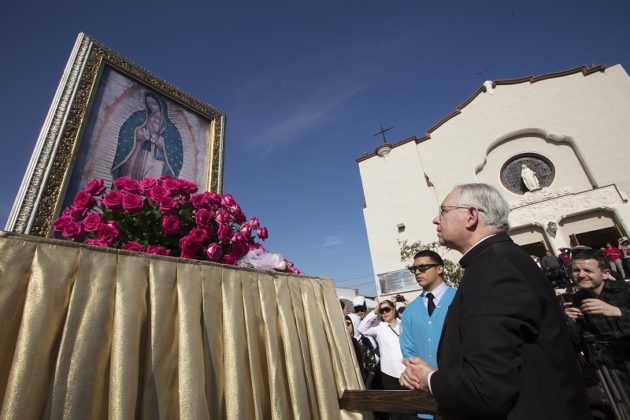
(109, 118)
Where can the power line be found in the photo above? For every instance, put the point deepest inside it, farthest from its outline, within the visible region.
(352, 279)
(359, 284)
(354, 276)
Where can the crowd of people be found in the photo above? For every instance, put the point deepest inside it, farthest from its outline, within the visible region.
(504, 344)
(558, 268)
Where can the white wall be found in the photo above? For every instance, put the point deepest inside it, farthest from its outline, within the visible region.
(579, 123)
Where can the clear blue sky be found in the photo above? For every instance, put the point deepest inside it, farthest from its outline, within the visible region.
(304, 86)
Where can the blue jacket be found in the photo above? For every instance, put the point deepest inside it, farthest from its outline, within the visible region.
(420, 334)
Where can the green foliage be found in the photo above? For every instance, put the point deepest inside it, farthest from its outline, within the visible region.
(453, 272)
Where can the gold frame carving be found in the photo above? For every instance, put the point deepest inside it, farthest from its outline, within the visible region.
(43, 188)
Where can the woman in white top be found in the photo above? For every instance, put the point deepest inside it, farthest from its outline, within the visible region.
(384, 325)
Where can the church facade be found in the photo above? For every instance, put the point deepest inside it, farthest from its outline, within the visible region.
(556, 146)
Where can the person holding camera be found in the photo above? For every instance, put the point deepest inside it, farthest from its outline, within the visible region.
(401, 305)
(384, 325)
(601, 308)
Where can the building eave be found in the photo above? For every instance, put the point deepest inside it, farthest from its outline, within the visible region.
(585, 70)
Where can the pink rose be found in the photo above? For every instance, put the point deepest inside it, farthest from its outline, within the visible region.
(214, 252)
(152, 249)
(223, 217)
(97, 242)
(171, 225)
(198, 201)
(113, 200)
(168, 205)
(212, 197)
(147, 183)
(239, 250)
(84, 200)
(158, 193)
(78, 212)
(172, 184)
(225, 233)
(203, 218)
(229, 259)
(189, 187)
(95, 187)
(118, 182)
(61, 222)
(262, 233)
(227, 200)
(91, 222)
(133, 203)
(127, 184)
(246, 230)
(240, 238)
(254, 223)
(238, 216)
(189, 247)
(199, 234)
(71, 230)
(109, 232)
(133, 246)
(181, 199)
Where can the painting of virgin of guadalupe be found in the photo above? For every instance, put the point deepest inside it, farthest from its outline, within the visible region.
(111, 118)
(149, 144)
(136, 131)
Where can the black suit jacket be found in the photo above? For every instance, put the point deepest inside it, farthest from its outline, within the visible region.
(505, 352)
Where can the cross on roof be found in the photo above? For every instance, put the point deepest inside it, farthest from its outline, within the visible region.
(382, 133)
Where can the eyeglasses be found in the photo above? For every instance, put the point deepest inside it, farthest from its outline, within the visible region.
(421, 268)
(442, 210)
(384, 310)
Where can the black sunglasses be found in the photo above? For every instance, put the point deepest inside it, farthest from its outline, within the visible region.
(384, 310)
(421, 268)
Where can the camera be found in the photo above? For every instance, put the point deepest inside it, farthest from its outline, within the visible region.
(577, 297)
(400, 298)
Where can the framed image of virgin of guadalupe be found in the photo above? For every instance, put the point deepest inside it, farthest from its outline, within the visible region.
(112, 118)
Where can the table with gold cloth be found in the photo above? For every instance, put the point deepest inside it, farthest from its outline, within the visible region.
(87, 332)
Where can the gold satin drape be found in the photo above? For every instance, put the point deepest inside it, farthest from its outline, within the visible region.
(98, 333)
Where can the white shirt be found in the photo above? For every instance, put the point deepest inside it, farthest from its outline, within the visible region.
(389, 345)
(355, 325)
(438, 292)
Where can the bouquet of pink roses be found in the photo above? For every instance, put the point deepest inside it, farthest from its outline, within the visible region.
(165, 216)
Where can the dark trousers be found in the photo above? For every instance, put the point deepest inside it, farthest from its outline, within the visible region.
(391, 383)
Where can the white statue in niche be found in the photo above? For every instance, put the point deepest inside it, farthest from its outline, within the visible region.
(529, 178)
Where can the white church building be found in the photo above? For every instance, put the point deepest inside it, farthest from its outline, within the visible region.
(556, 146)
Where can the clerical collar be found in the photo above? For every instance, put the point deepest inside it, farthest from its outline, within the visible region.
(478, 242)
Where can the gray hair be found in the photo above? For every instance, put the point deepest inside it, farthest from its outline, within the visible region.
(493, 207)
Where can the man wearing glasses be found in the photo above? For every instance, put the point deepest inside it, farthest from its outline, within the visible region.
(424, 317)
(505, 352)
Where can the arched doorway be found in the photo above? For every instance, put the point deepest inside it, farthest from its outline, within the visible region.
(531, 239)
(593, 229)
